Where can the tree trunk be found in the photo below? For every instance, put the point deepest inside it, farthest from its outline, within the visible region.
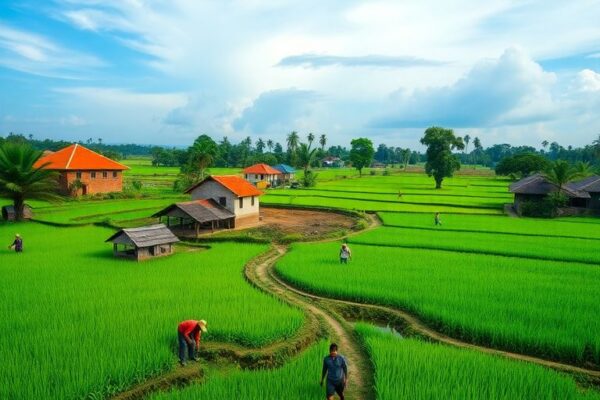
(438, 183)
(19, 205)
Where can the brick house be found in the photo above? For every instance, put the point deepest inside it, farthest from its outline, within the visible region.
(83, 171)
(233, 193)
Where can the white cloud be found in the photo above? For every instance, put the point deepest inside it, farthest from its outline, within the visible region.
(589, 81)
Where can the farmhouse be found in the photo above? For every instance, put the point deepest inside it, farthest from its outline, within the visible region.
(333, 162)
(233, 193)
(197, 215)
(83, 171)
(9, 214)
(583, 194)
(143, 243)
(287, 172)
(262, 173)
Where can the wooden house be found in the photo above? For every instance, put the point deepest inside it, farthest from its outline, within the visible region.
(143, 243)
(262, 173)
(196, 216)
(233, 193)
(83, 171)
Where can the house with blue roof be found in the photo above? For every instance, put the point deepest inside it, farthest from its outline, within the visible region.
(287, 172)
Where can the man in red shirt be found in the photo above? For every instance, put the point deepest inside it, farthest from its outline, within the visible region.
(189, 333)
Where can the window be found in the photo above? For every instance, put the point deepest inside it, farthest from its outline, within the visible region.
(252, 202)
(262, 177)
(223, 201)
(115, 173)
(104, 174)
(241, 202)
(78, 174)
(93, 175)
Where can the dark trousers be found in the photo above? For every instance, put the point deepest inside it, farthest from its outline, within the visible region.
(184, 345)
(343, 260)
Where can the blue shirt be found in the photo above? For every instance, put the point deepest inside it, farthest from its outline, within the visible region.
(335, 368)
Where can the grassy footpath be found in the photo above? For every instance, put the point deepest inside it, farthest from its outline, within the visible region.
(297, 379)
(413, 369)
(543, 308)
(78, 321)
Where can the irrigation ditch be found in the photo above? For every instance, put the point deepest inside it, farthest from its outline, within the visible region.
(326, 318)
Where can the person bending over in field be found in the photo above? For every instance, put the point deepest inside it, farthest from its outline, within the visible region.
(437, 219)
(17, 245)
(334, 366)
(189, 333)
(345, 254)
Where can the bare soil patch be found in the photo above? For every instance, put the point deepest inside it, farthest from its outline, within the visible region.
(305, 222)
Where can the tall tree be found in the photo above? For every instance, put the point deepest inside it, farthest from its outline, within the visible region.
(361, 153)
(311, 138)
(596, 146)
(560, 173)
(292, 146)
(20, 180)
(260, 146)
(545, 144)
(441, 163)
(467, 139)
(323, 142)
(202, 154)
(306, 156)
(270, 145)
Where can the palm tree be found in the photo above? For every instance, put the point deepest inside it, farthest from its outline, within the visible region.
(311, 138)
(306, 156)
(20, 180)
(323, 141)
(545, 144)
(596, 144)
(467, 139)
(584, 169)
(561, 173)
(270, 145)
(292, 141)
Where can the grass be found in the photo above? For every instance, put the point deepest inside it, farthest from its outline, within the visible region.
(78, 322)
(543, 308)
(297, 379)
(584, 228)
(413, 369)
(541, 247)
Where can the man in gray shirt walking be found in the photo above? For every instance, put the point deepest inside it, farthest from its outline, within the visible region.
(334, 366)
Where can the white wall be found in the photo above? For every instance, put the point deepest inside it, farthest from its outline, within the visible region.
(248, 208)
(214, 190)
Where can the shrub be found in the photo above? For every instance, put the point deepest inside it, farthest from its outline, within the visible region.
(309, 179)
(372, 172)
(386, 172)
(545, 208)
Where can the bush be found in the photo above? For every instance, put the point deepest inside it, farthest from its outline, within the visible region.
(309, 179)
(545, 208)
(386, 172)
(372, 172)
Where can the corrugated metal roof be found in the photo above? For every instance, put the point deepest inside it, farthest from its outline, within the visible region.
(202, 211)
(77, 157)
(235, 184)
(147, 236)
(284, 168)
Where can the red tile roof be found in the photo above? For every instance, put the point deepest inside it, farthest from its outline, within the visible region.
(77, 157)
(262, 169)
(237, 185)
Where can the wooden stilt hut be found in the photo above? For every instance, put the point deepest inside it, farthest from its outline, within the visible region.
(142, 243)
(196, 216)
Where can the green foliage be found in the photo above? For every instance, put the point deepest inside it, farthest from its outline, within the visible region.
(361, 153)
(90, 321)
(560, 173)
(20, 180)
(522, 165)
(543, 308)
(309, 179)
(545, 208)
(441, 163)
(201, 155)
(413, 369)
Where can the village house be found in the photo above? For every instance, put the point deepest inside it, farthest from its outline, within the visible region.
(333, 162)
(583, 194)
(288, 173)
(233, 193)
(262, 173)
(143, 243)
(196, 216)
(83, 171)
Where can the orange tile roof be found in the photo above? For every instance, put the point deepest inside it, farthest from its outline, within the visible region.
(237, 185)
(77, 157)
(262, 169)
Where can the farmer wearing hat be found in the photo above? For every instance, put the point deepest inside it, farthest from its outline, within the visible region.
(17, 245)
(189, 333)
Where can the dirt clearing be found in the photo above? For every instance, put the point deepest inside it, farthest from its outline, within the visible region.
(305, 222)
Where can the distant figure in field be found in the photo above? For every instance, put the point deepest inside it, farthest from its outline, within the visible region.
(17, 244)
(189, 333)
(437, 219)
(345, 254)
(334, 366)
(399, 194)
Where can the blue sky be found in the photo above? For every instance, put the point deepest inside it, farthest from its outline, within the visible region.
(163, 72)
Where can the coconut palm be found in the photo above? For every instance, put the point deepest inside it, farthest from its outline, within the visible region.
(561, 173)
(467, 139)
(292, 141)
(583, 169)
(270, 145)
(306, 156)
(596, 145)
(323, 141)
(20, 180)
(311, 138)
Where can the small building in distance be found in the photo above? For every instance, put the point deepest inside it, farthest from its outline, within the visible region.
(9, 214)
(143, 243)
(333, 162)
(258, 173)
(583, 194)
(83, 171)
(288, 173)
(233, 193)
(196, 216)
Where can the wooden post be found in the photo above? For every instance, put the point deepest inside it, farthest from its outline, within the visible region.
(197, 229)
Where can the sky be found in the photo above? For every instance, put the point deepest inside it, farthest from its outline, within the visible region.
(163, 72)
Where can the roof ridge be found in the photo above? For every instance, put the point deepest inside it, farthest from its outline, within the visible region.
(71, 157)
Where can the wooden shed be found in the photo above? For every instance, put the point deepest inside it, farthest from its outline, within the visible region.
(196, 216)
(8, 213)
(143, 243)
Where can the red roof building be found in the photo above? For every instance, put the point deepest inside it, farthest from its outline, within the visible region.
(233, 193)
(83, 171)
(262, 173)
